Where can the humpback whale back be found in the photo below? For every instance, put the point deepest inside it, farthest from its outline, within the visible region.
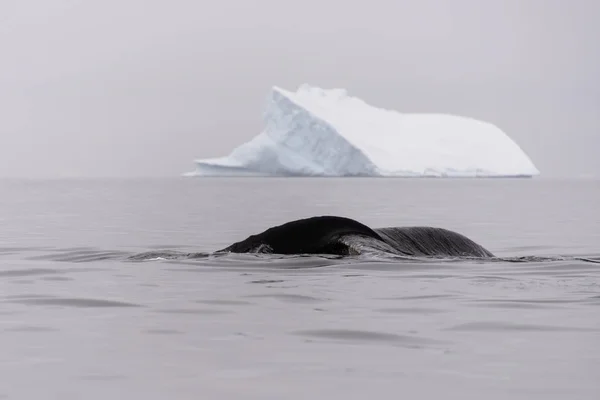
(316, 235)
(345, 236)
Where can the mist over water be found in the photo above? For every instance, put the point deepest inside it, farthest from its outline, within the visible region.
(109, 290)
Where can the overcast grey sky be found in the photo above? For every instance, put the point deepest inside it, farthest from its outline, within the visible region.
(143, 87)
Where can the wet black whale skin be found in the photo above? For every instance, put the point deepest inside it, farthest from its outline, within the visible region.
(325, 234)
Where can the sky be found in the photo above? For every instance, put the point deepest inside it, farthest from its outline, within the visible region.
(141, 88)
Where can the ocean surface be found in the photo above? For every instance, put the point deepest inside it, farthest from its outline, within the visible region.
(109, 291)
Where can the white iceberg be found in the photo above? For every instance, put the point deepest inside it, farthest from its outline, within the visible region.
(318, 132)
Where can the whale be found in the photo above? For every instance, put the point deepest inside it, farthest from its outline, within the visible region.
(342, 236)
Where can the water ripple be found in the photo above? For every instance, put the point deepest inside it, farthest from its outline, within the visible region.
(72, 302)
(510, 326)
(367, 336)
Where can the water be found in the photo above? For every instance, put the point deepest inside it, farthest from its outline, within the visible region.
(80, 319)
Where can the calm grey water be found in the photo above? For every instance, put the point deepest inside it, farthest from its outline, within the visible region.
(79, 320)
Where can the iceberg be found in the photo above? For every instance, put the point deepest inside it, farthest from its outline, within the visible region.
(327, 132)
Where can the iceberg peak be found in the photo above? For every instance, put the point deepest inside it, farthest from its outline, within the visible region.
(326, 132)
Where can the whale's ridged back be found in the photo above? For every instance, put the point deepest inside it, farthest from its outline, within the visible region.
(428, 241)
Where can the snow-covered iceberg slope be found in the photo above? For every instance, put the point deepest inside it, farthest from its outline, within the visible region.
(317, 132)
